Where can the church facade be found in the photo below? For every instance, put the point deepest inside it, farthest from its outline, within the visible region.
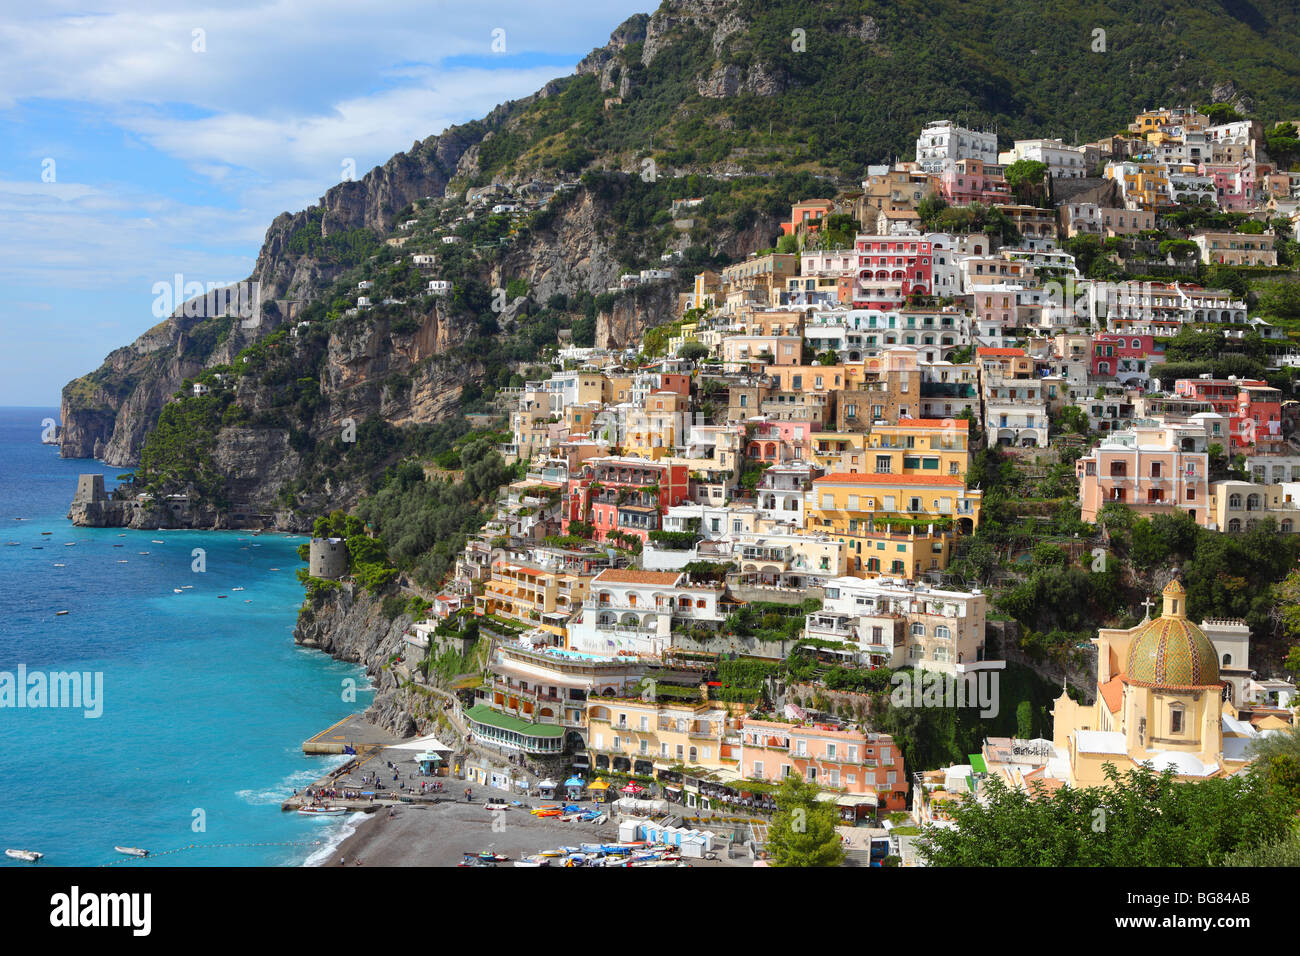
(1164, 697)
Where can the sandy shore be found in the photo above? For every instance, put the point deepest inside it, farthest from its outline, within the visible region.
(442, 833)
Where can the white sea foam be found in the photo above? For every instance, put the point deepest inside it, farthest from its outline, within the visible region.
(334, 839)
(297, 780)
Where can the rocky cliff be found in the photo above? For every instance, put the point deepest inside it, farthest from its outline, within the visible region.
(107, 413)
(348, 625)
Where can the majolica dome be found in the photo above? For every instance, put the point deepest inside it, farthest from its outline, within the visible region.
(1171, 651)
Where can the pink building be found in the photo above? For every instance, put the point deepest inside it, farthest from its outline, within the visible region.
(1234, 184)
(780, 441)
(865, 765)
(1152, 469)
(973, 180)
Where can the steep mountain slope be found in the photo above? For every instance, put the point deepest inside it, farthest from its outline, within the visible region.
(799, 95)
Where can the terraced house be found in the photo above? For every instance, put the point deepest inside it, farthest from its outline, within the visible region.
(899, 525)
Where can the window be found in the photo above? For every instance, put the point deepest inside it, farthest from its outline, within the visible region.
(1175, 718)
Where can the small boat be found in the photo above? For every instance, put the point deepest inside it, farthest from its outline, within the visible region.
(219, 596)
(236, 589)
(37, 547)
(186, 587)
(69, 544)
(13, 544)
(47, 532)
(60, 565)
(60, 613)
(156, 541)
(119, 546)
(123, 561)
(473, 859)
(492, 857)
(176, 590)
(275, 569)
(321, 811)
(29, 856)
(496, 805)
(131, 851)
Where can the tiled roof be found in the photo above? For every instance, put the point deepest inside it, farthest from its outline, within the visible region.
(992, 351)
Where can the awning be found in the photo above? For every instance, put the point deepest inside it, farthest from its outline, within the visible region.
(858, 800)
(977, 764)
(575, 782)
(598, 784)
(547, 784)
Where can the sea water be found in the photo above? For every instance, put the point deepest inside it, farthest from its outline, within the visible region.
(206, 700)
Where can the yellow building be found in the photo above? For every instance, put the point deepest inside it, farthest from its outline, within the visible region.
(1159, 700)
(655, 431)
(897, 525)
(533, 596)
(838, 451)
(617, 389)
(1145, 185)
(919, 446)
(640, 736)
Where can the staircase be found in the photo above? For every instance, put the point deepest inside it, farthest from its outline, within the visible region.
(857, 858)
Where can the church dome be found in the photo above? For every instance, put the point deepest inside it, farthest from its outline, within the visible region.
(1171, 651)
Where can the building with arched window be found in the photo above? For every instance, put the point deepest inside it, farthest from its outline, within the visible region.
(1240, 505)
(1164, 698)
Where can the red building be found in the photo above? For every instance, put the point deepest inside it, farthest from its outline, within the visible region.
(1123, 357)
(627, 495)
(890, 268)
(1253, 408)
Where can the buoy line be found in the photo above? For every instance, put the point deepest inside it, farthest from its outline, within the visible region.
(212, 846)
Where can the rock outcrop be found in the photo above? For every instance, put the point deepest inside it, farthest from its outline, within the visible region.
(349, 625)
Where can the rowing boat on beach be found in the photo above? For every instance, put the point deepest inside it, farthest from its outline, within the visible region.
(321, 811)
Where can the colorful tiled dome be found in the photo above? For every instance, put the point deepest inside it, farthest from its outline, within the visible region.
(1171, 651)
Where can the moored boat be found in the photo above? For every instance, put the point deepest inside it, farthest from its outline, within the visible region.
(28, 856)
(321, 811)
(131, 851)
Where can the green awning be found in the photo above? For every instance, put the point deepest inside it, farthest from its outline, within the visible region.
(977, 764)
(482, 714)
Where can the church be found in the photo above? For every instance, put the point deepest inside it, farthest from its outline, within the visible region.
(1165, 691)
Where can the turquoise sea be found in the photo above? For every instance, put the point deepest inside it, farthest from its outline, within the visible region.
(206, 700)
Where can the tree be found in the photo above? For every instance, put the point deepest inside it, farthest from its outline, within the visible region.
(693, 351)
(803, 830)
(1142, 818)
(1281, 299)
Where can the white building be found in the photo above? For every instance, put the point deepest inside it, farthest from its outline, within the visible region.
(943, 142)
(632, 612)
(899, 623)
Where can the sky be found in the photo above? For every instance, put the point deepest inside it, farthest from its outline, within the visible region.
(142, 140)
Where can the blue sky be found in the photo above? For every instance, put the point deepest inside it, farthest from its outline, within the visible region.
(143, 139)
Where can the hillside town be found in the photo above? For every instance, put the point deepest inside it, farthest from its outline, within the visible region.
(720, 542)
